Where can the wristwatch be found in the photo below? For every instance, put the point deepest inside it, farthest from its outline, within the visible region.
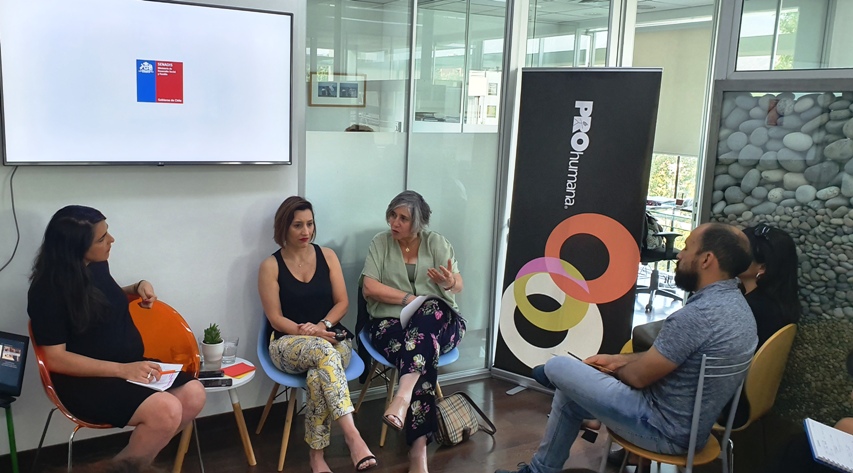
(327, 324)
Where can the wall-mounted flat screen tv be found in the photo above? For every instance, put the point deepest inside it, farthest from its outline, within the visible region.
(143, 82)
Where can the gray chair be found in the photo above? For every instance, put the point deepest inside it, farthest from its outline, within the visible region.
(711, 367)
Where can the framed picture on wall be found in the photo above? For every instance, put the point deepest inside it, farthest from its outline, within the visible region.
(337, 90)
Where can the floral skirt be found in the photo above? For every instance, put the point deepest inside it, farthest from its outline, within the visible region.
(434, 329)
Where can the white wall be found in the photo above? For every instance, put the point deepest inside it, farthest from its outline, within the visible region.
(198, 233)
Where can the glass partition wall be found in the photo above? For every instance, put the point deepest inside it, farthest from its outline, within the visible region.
(425, 80)
(425, 117)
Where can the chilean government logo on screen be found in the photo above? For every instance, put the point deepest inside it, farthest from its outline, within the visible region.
(159, 81)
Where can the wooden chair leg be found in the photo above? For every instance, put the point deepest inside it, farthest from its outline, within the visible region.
(366, 386)
(391, 385)
(183, 447)
(438, 393)
(267, 408)
(291, 407)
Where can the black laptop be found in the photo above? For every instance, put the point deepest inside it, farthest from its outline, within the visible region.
(13, 360)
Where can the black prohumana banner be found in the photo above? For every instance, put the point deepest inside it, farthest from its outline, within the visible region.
(581, 174)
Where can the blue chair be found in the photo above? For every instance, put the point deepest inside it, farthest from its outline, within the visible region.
(380, 368)
(291, 381)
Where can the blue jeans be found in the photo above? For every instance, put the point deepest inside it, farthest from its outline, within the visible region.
(583, 392)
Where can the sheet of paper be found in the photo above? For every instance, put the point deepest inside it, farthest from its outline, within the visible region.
(410, 309)
(166, 380)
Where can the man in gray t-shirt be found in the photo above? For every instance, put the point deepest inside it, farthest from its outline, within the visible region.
(649, 398)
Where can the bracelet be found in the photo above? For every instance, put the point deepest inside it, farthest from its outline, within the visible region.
(136, 287)
(406, 299)
(448, 289)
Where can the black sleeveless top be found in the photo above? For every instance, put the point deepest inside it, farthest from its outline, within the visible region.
(306, 302)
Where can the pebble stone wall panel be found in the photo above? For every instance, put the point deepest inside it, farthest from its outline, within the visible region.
(786, 159)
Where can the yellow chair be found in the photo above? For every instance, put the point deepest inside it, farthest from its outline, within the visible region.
(764, 377)
(711, 367)
(167, 337)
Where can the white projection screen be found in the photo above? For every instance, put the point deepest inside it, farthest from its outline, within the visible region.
(143, 82)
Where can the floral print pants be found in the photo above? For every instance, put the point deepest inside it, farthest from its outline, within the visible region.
(328, 394)
(433, 330)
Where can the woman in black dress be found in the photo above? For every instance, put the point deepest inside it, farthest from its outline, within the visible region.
(80, 317)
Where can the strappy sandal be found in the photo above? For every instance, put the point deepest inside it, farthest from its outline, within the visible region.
(362, 464)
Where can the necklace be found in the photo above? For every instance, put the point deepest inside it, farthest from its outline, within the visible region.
(406, 248)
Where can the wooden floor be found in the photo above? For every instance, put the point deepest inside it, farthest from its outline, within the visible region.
(520, 420)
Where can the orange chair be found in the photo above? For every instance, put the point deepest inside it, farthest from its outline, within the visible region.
(167, 337)
(50, 391)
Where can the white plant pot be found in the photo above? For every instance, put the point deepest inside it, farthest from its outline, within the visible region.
(212, 354)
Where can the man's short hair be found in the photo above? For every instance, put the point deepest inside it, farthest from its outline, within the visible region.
(728, 246)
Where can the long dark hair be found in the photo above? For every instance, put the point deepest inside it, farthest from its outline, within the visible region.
(60, 266)
(776, 250)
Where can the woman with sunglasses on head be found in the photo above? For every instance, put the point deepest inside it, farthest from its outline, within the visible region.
(770, 284)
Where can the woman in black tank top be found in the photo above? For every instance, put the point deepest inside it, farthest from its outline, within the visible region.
(304, 297)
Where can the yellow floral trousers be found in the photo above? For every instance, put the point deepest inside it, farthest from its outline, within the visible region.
(328, 393)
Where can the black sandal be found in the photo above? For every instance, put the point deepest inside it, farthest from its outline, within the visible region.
(360, 466)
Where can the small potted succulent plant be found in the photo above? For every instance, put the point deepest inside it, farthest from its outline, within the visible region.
(212, 346)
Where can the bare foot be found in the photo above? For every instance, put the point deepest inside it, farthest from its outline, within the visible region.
(318, 462)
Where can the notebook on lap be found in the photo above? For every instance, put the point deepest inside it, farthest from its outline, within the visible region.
(830, 446)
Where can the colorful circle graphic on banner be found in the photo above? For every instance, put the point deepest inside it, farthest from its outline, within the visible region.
(583, 339)
(621, 273)
(578, 314)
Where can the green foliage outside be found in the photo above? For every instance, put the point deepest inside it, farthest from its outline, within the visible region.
(787, 25)
(663, 174)
(662, 183)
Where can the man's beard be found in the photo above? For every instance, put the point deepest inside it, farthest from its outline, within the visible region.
(687, 278)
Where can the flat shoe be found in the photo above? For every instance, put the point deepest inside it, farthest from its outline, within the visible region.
(362, 464)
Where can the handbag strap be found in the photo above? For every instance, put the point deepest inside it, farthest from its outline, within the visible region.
(490, 427)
